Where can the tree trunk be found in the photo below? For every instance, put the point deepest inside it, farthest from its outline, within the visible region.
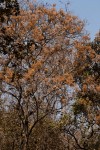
(25, 144)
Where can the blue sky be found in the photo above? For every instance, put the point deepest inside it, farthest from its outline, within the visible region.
(88, 10)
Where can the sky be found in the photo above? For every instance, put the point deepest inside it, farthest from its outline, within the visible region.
(88, 10)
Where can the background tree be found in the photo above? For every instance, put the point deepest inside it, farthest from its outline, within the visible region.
(87, 105)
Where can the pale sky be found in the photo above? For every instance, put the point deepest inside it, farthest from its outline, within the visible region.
(85, 9)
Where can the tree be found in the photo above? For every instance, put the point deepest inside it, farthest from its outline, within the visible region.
(96, 43)
(87, 104)
(38, 50)
(88, 76)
